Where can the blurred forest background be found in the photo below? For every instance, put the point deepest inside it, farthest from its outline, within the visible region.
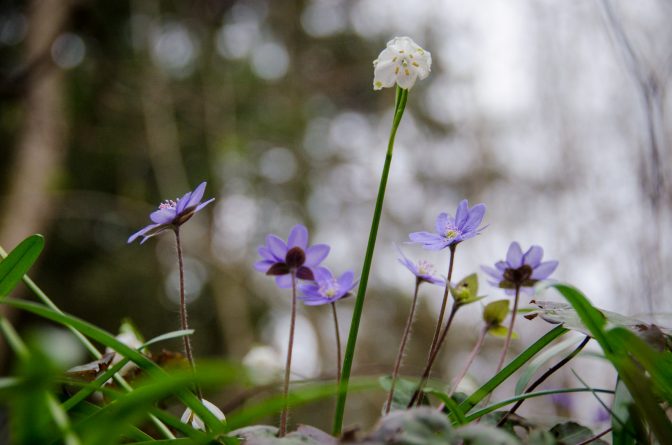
(553, 113)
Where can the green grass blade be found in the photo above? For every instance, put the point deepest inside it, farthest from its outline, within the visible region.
(17, 263)
(110, 341)
(500, 404)
(451, 404)
(541, 360)
(512, 367)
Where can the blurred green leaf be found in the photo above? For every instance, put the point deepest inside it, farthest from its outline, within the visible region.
(451, 404)
(624, 421)
(403, 391)
(479, 434)
(571, 433)
(18, 262)
(541, 437)
(495, 313)
(542, 360)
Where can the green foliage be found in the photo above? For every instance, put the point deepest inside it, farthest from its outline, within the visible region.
(17, 263)
(466, 291)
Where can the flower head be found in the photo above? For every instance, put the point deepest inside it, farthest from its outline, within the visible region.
(327, 288)
(192, 419)
(172, 214)
(449, 230)
(423, 270)
(401, 62)
(520, 270)
(282, 259)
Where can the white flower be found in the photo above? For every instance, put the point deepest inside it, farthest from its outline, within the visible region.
(403, 61)
(190, 418)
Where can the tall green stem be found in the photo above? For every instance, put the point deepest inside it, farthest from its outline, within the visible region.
(400, 105)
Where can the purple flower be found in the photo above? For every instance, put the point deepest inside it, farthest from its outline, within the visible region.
(172, 214)
(520, 269)
(281, 259)
(327, 288)
(449, 230)
(423, 270)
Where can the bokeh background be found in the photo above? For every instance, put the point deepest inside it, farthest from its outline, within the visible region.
(553, 113)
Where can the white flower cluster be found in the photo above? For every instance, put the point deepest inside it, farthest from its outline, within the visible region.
(402, 62)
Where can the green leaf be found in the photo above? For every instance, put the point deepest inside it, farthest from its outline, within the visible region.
(403, 391)
(542, 360)
(495, 313)
(466, 290)
(501, 332)
(17, 263)
(541, 437)
(512, 367)
(451, 404)
(478, 434)
(571, 433)
(625, 419)
(417, 426)
(110, 341)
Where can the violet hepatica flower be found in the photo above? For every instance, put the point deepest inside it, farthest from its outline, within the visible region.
(326, 288)
(449, 230)
(172, 214)
(423, 270)
(401, 62)
(520, 270)
(282, 259)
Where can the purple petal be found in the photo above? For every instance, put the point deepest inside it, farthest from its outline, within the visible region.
(514, 256)
(316, 301)
(528, 291)
(475, 218)
(462, 213)
(196, 195)
(141, 232)
(276, 246)
(494, 273)
(533, 256)
(441, 222)
(263, 265)
(266, 254)
(183, 202)
(346, 281)
(315, 254)
(322, 274)
(544, 270)
(298, 237)
(501, 266)
(203, 204)
(409, 265)
(163, 216)
(425, 237)
(284, 281)
(309, 289)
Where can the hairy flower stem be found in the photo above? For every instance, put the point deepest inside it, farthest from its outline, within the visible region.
(184, 323)
(543, 377)
(338, 343)
(472, 356)
(507, 342)
(417, 395)
(400, 105)
(444, 303)
(288, 365)
(402, 346)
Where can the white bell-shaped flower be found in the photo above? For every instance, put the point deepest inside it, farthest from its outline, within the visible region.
(402, 62)
(192, 419)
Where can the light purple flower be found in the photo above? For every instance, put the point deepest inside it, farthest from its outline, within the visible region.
(449, 230)
(281, 259)
(423, 270)
(172, 214)
(520, 269)
(326, 288)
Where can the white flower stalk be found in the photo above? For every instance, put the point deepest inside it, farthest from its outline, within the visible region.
(192, 419)
(402, 62)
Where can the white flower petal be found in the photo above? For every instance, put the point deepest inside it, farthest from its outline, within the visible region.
(402, 61)
(189, 417)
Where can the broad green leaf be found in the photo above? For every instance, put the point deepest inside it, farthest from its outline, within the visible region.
(541, 437)
(512, 367)
(403, 391)
(466, 291)
(542, 360)
(417, 426)
(478, 434)
(17, 263)
(571, 433)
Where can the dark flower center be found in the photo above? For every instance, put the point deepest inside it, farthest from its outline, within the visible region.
(520, 276)
(295, 258)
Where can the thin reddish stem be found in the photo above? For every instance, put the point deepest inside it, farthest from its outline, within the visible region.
(507, 342)
(472, 356)
(444, 303)
(402, 346)
(184, 323)
(288, 366)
